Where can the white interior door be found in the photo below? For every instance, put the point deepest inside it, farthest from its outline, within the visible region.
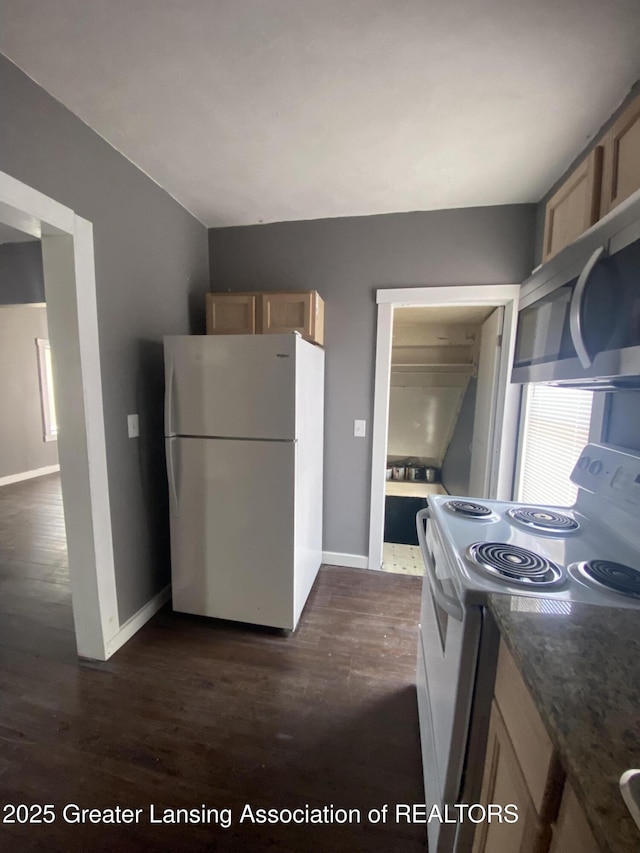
(484, 421)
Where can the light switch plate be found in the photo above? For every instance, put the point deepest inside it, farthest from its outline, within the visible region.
(359, 429)
(133, 426)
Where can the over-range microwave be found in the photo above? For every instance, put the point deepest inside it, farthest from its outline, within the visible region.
(581, 327)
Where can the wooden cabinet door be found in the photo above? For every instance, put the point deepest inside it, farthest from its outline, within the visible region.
(575, 206)
(572, 833)
(231, 313)
(528, 736)
(622, 158)
(503, 783)
(292, 312)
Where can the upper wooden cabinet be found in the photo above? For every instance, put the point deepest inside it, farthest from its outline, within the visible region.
(575, 206)
(299, 312)
(266, 313)
(622, 158)
(607, 176)
(231, 313)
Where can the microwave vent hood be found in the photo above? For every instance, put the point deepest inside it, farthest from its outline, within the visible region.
(579, 317)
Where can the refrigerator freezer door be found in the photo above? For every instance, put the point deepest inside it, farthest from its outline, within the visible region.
(232, 529)
(232, 386)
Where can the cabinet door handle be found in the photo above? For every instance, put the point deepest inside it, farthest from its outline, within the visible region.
(168, 398)
(575, 309)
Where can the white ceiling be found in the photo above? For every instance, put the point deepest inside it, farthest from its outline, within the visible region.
(264, 110)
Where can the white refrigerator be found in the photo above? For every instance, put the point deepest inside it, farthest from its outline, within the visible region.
(244, 449)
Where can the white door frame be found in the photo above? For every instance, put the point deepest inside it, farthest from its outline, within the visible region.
(488, 357)
(503, 462)
(67, 253)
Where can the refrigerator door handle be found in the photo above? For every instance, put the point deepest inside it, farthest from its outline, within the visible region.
(168, 401)
(173, 493)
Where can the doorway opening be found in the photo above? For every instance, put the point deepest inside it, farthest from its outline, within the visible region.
(445, 419)
(69, 286)
(436, 393)
(36, 597)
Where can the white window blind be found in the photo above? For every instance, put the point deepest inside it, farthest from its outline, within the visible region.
(555, 429)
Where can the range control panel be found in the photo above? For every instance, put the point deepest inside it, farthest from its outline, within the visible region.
(613, 474)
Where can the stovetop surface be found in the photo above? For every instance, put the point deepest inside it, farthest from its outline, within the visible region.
(591, 540)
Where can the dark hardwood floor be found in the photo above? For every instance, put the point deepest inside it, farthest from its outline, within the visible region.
(194, 711)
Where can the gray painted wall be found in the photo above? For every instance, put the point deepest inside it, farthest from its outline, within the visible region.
(22, 446)
(456, 467)
(21, 278)
(347, 260)
(151, 273)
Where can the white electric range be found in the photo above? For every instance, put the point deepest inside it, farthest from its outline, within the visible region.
(550, 558)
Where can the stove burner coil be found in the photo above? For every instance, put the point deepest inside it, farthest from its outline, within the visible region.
(615, 576)
(468, 508)
(544, 519)
(514, 564)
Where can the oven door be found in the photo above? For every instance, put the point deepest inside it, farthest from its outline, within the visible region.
(448, 654)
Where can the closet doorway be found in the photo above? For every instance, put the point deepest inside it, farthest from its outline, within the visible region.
(445, 418)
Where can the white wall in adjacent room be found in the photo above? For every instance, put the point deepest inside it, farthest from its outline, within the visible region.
(421, 421)
(22, 446)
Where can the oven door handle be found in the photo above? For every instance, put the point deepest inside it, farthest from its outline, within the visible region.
(450, 605)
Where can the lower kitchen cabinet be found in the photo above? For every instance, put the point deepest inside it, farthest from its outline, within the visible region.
(523, 768)
(572, 833)
(400, 519)
(504, 782)
(532, 745)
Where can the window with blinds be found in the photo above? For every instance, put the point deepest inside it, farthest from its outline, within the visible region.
(555, 429)
(47, 400)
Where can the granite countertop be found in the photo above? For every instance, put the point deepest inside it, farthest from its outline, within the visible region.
(583, 670)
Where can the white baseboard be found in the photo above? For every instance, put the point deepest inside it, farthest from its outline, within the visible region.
(350, 561)
(28, 475)
(132, 625)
